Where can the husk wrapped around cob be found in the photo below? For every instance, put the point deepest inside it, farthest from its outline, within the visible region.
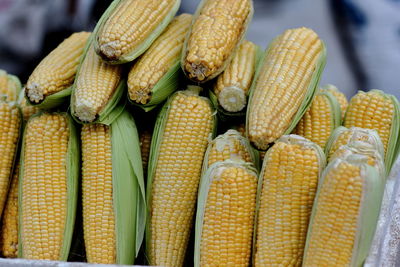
(10, 86)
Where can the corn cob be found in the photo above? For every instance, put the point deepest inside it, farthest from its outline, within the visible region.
(285, 85)
(154, 76)
(340, 97)
(343, 136)
(9, 223)
(345, 213)
(50, 82)
(225, 215)
(97, 89)
(230, 145)
(145, 142)
(112, 186)
(320, 120)
(378, 111)
(48, 187)
(128, 27)
(10, 86)
(216, 32)
(183, 129)
(10, 127)
(233, 85)
(287, 186)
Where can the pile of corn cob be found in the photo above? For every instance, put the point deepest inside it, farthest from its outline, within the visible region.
(295, 177)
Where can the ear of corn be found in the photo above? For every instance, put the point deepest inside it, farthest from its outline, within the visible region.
(345, 213)
(231, 89)
(284, 85)
(287, 186)
(50, 83)
(378, 111)
(10, 128)
(48, 186)
(218, 28)
(113, 186)
(10, 86)
(145, 142)
(225, 215)
(320, 120)
(97, 89)
(182, 131)
(230, 145)
(340, 97)
(155, 75)
(128, 27)
(343, 136)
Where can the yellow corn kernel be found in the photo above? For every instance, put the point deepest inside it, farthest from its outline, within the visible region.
(145, 142)
(241, 128)
(282, 84)
(318, 123)
(97, 194)
(334, 224)
(9, 223)
(3, 83)
(157, 60)
(228, 221)
(27, 110)
(189, 124)
(233, 85)
(130, 24)
(371, 110)
(289, 182)
(8, 87)
(341, 98)
(228, 146)
(57, 70)
(10, 124)
(44, 186)
(214, 36)
(95, 85)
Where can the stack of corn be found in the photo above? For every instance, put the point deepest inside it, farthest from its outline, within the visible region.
(294, 211)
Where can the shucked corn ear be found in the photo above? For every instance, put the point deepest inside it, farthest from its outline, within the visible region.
(155, 75)
(97, 89)
(378, 111)
(232, 87)
(225, 215)
(48, 187)
(343, 136)
(182, 131)
(230, 145)
(217, 29)
(10, 86)
(345, 213)
(340, 97)
(287, 186)
(284, 85)
(128, 27)
(113, 201)
(50, 82)
(9, 222)
(10, 128)
(320, 120)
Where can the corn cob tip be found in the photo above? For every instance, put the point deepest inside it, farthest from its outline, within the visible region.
(84, 111)
(34, 93)
(232, 99)
(109, 51)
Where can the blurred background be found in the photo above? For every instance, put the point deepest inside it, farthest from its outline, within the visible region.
(362, 36)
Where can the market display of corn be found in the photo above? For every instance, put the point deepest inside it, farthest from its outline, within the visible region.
(249, 162)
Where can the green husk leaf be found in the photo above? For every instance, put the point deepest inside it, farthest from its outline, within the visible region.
(156, 141)
(128, 188)
(288, 139)
(17, 83)
(204, 187)
(53, 100)
(335, 108)
(225, 138)
(369, 207)
(394, 142)
(168, 84)
(73, 168)
(105, 115)
(144, 45)
(228, 59)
